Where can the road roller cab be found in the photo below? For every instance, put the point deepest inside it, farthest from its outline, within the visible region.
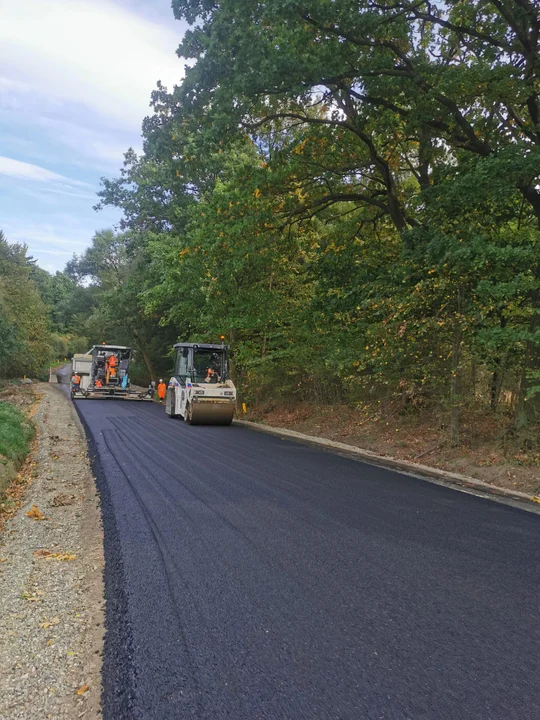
(200, 390)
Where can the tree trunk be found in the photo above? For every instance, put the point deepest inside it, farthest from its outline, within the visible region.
(454, 383)
(148, 363)
(146, 357)
(494, 386)
(231, 363)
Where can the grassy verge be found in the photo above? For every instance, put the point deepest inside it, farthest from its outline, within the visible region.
(16, 434)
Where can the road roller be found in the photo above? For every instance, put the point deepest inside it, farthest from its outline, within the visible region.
(200, 390)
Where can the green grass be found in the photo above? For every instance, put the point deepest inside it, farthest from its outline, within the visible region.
(16, 433)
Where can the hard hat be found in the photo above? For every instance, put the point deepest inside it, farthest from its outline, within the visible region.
(160, 379)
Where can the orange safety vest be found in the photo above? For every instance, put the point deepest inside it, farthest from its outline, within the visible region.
(75, 379)
(113, 361)
(161, 390)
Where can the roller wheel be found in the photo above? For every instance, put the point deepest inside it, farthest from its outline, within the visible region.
(172, 414)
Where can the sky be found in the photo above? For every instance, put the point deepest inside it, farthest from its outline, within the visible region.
(75, 84)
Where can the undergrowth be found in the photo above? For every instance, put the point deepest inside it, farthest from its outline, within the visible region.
(16, 434)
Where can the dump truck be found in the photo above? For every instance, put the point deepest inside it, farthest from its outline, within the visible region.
(104, 373)
(200, 391)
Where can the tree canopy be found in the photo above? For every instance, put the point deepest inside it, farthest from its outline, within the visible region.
(350, 191)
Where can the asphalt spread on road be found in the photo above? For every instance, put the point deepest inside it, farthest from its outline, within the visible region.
(251, 577)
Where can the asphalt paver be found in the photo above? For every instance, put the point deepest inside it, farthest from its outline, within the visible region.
(250, 577)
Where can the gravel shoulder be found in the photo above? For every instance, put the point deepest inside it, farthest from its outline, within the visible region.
(51, 578)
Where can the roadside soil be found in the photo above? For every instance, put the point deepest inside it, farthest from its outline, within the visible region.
(483, 453)
(51, 566)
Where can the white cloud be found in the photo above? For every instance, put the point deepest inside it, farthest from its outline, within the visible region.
(93, 53)
(75, 83)
(95, 147)
(73, 240)
(27, 171)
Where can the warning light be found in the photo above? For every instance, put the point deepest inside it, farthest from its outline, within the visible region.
(222, 337)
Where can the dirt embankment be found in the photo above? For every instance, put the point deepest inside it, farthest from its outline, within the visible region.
(51, 563)
(484, 452)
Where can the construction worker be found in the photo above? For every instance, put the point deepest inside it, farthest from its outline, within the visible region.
(111, 365)
(75, 383)
(211, 376)
(161, 391)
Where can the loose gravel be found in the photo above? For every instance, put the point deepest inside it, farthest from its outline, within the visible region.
(51, 587)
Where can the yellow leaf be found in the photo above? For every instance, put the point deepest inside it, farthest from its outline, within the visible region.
(48, 555)
(83, 689)
(49, 623)
(257, 193)
(35, 513)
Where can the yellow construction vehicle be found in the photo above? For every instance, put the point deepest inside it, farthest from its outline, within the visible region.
(200, 390)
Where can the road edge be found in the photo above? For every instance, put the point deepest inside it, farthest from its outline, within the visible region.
(452, 480)
(117, 679)
(92, 532)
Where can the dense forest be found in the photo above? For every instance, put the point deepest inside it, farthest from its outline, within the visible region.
(348, 191)
(37, 314)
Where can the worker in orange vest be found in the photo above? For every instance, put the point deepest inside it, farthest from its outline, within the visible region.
(75, 382)
(98, 383)
(110, 367)
(161, 391)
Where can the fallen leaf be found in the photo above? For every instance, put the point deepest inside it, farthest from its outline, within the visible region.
(3, 560)
(83, 689)
(42, 553)
(48, 555)
(65, 557)
(61, 500)
(535, 499)
(35, 513)
(49, 623)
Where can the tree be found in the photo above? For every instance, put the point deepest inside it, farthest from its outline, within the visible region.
(24, 331)
(350, 188)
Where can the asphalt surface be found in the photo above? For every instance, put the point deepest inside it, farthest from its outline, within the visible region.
(249, 577)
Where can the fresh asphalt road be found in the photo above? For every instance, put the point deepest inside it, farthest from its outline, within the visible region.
(248, 577)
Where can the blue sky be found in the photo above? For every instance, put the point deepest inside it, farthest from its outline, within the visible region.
(75, 84)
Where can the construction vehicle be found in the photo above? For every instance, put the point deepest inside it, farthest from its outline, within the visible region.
(200, 390)
(104, 373)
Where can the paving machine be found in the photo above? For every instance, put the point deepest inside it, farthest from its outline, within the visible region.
(200, 391)
(104, 373)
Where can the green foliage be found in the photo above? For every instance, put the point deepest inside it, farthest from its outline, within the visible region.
(16, 433)
(350, 193)
(24, 329)
(117, 266)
